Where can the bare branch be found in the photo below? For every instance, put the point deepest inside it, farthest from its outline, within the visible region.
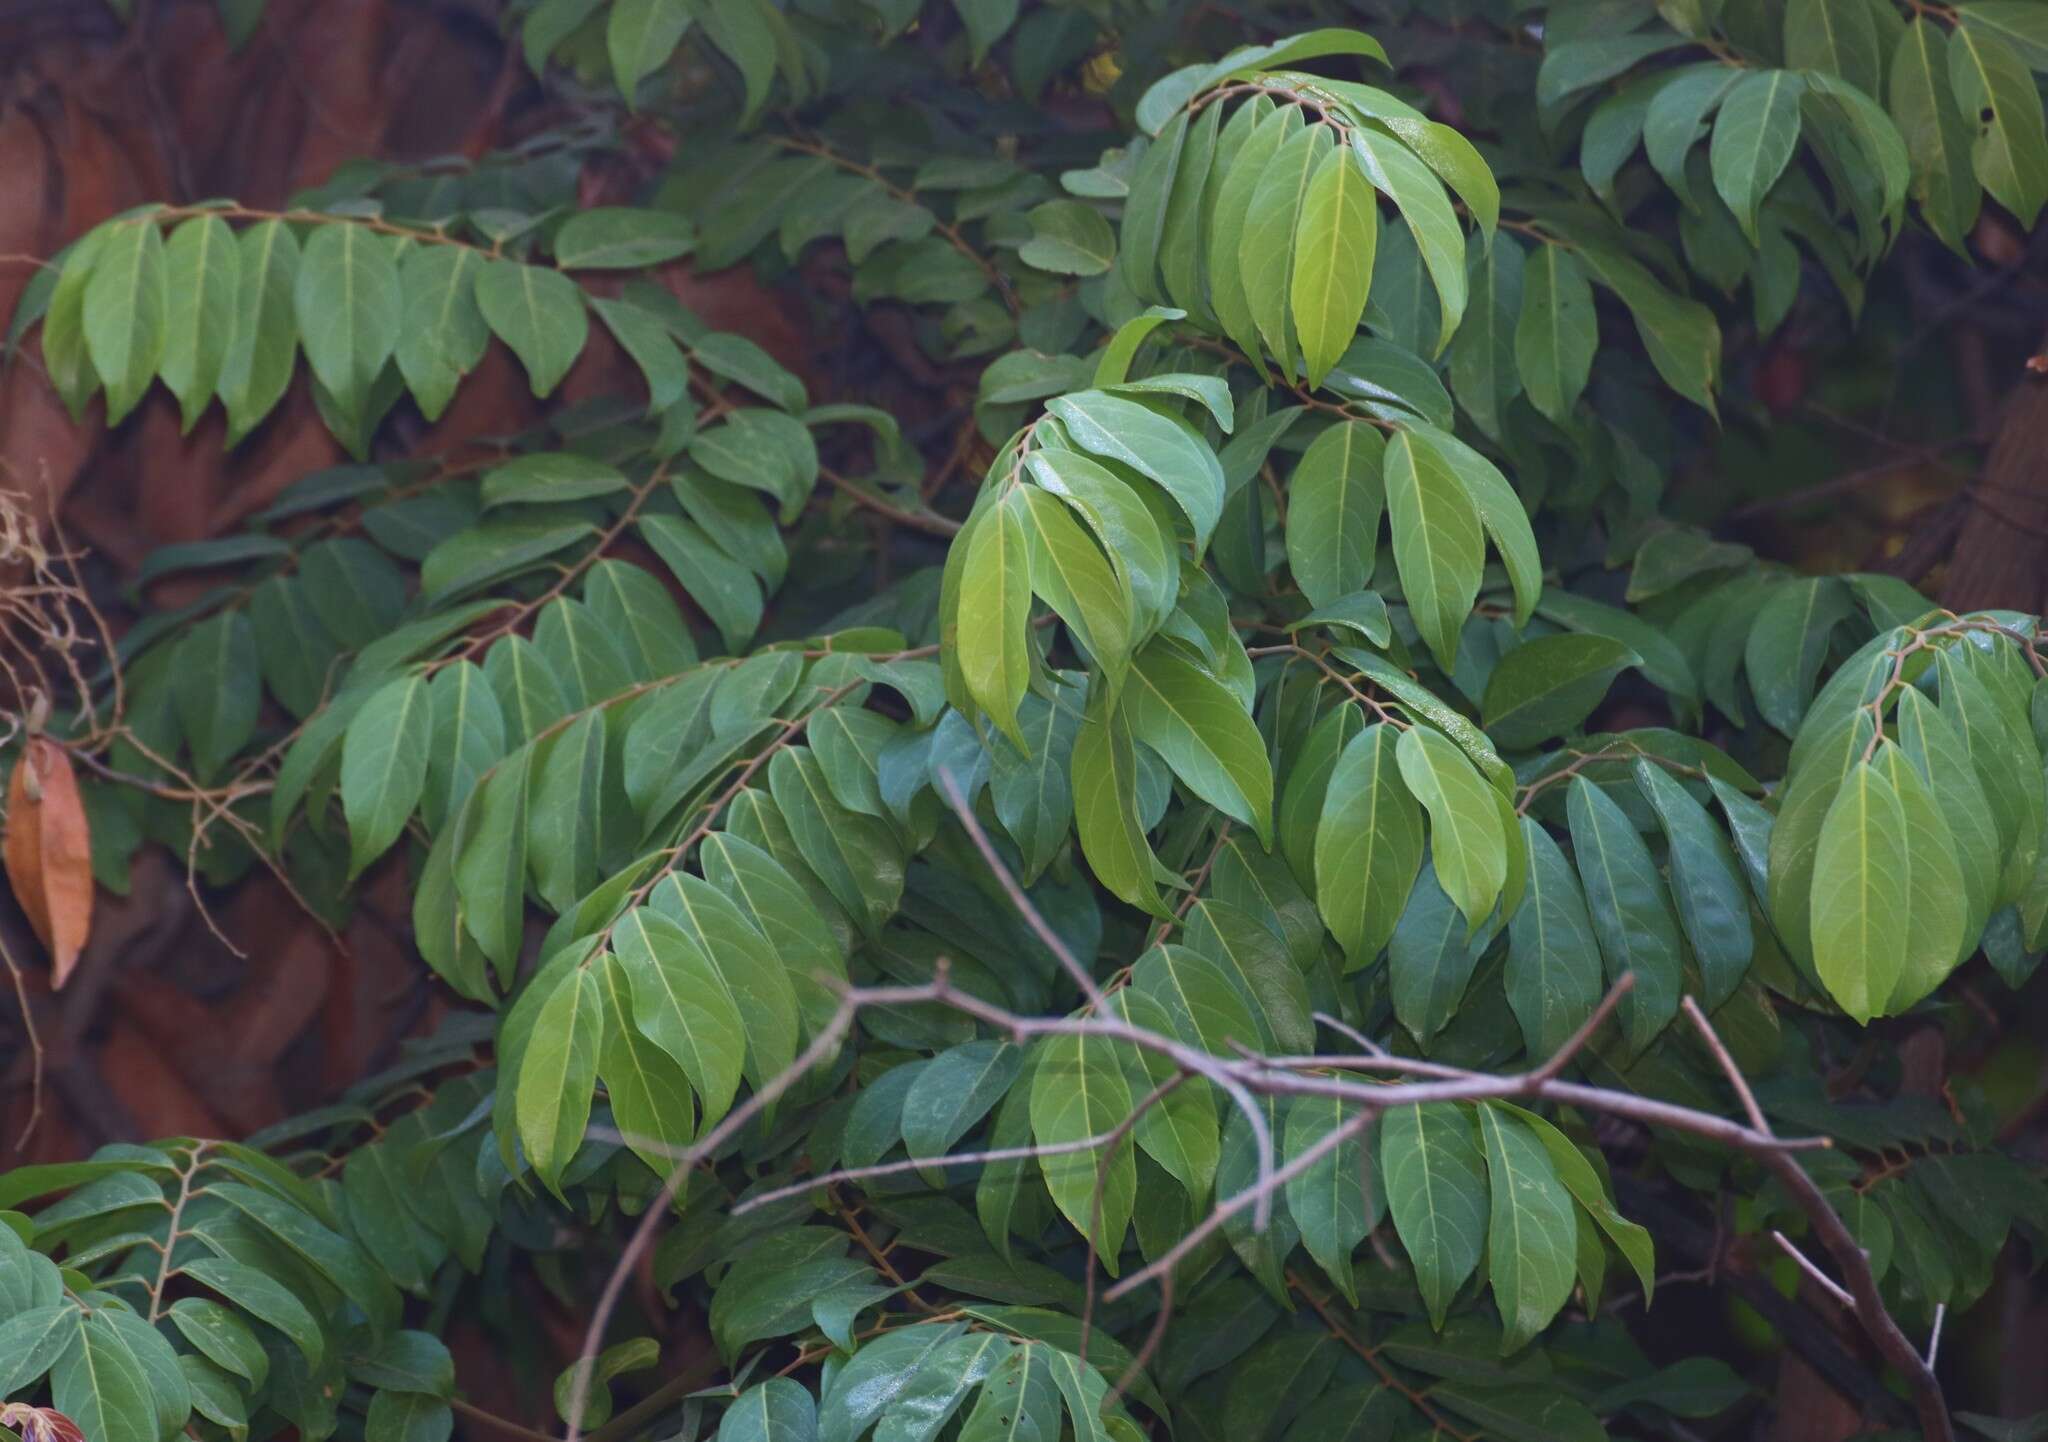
(1827, 1284)
(1031, 914)
(1728, 1067)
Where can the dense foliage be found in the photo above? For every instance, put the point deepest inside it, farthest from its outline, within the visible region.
(1315, 691)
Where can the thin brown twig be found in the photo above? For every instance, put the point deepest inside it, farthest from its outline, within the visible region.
(1727, 1064)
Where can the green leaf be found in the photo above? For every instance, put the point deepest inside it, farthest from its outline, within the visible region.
(725, 590)
(539, 314)
(1335, 497)
(1197, 1000)
(262, 1298)
(1134, 540)
(1631, 910)
(1257, 964)
(1334, 1202)
(1466, 841)
(641, 35)
(350, 306)
(1532, 1238)
(1368, 845)
(1178, 1131)
(1078, 1090)
(753, 974)
(1483, 369)
(783, 912)
(1201, 730)
(1837, 39)
(1754, 137)
(1420, 198)
(1677, 119)
(1789, 641)
(384, 760)
(1930, 741)
(2008, 149)
(407, 1417)
(621, 238)
(1553, 966)
(1245, 152)
(778, 1410)
(682, 1004)
(649, 1092)
(1681, 336)
(1031, 789)
(1556, 333)
(490, 861)
(1438, 544)
(1937, 902)
(1073, 576)
(217, 690)
(445, 335)
(1938, 137)
(1153, 444)
(100, 1385)
(993, 637)
(1713, 907)
(1436, 1185)
(335, 1257)
(127, 312)
(949, 1098)
(857, 857)
(557, 1072)
(223, 1337)
(65, 357)
(1267, 253)
(1548, 685)
(1019, 1403)
(1068, 238)
(202, 272)
(1861, 907)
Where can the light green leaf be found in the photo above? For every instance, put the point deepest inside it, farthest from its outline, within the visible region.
(1862, 902)
(993, 635)
(1078, 1090)
(1420, 198)
(1074, 577)
(557, 1072)
(1068, 238)
(1155, 445)
(1202, 731)
(649, 1093)
(1937, 902)
(1267, 252)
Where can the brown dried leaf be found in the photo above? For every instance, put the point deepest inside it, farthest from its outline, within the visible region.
(49, 853)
